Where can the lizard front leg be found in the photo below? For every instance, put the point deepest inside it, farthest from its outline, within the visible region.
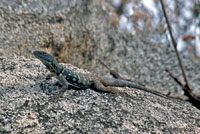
(64, 83)
(49, 76)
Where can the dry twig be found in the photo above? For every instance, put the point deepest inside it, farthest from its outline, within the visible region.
(194, 99)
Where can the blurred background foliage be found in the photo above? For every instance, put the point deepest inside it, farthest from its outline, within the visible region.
(145, 19)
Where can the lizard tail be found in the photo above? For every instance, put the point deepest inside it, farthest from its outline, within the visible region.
(130, 84)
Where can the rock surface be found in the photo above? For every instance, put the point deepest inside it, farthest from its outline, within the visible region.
(78, 32)
(25, 107)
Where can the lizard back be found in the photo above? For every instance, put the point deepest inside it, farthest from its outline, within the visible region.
(77, 78)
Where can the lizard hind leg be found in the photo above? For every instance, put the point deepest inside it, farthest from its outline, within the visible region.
(98, 86)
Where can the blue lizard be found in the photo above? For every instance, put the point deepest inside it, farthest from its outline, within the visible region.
(68, 77)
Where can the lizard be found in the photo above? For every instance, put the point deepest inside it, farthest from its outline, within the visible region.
(68, 77)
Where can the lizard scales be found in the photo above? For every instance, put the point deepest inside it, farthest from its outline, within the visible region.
(69, 77)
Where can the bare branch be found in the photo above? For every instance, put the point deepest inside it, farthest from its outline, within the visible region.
(174, 43)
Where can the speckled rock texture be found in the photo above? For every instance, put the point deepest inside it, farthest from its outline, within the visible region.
(78, 32)
(27, 106)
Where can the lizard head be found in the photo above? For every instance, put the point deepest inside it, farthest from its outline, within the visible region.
(48, 60)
